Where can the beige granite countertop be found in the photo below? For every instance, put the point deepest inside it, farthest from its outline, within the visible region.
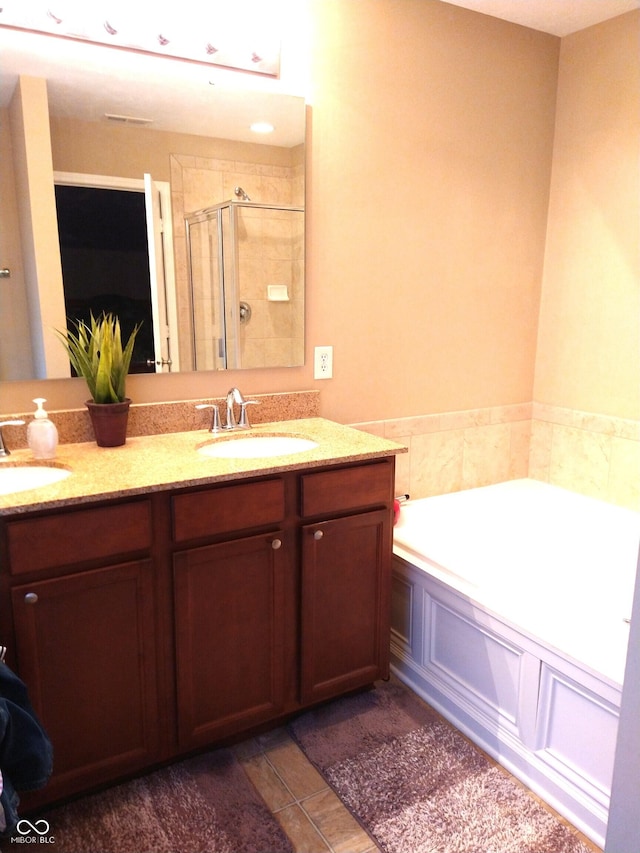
(168, 461)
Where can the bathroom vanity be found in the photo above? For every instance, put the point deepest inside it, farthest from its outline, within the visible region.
(198, 601)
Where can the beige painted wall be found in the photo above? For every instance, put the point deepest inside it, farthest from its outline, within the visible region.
(589, 333)
(428, 173)
(128, 151)
(431, 147)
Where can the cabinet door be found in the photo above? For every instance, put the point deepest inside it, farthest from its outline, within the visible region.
(229, 619)
(86, 650)
(346, 575)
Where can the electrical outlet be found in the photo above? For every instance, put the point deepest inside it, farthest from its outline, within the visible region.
(323, 363)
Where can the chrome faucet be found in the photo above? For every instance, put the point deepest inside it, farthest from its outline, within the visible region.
(4, 450)
(235, 396)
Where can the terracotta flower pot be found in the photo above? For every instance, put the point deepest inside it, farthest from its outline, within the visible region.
(109, 421)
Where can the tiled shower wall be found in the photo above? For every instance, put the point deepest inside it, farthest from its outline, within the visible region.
(271, 251)
(274, 335)
(595, 455)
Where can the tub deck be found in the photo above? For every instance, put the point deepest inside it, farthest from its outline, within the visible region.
(508, 616)
(557, 565)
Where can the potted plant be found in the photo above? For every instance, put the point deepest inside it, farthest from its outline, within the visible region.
(95, 350)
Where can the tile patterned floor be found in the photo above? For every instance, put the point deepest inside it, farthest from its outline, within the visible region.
(306, 807)
(308, 810)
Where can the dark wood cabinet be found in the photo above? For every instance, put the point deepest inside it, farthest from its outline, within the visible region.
(229, 626)
(345, 586)
(345, 604)
(148, 627)
(86, 649)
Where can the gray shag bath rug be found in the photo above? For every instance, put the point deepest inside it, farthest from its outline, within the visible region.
(417, 785)
(205, 804)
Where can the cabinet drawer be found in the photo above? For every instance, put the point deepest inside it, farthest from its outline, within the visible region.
(227, 508)
(346, 488)
(73, 537)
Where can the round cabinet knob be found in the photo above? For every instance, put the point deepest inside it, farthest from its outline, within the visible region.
(318, 534)
(276, 543)
(31, 597)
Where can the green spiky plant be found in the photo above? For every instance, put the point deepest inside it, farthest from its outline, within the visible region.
(95, 351)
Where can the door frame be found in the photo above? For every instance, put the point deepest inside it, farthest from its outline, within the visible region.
(112, 182)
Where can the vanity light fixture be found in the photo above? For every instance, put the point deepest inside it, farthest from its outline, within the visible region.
(234, 47)
(262, 127)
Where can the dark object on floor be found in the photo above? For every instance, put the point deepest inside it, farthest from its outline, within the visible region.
(26, 754)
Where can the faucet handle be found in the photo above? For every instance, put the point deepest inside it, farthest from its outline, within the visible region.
(244, 419)
(4, 450)
(215, 417)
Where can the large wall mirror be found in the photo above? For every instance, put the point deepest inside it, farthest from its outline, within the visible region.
(134, 183)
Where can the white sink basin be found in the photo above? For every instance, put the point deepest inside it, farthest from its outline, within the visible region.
(257, 446)
(19, 478)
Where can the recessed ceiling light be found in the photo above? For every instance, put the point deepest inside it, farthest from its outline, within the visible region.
(262, 127)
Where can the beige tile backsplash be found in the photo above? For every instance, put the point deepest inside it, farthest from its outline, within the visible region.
(595, 455)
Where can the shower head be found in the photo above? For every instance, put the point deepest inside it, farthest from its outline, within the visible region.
(241, 194)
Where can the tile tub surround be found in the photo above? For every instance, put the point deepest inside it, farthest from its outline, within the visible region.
(595, 455)
(458, 450)
(74, 425)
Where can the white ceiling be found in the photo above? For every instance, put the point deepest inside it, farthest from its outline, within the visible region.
(558, 17)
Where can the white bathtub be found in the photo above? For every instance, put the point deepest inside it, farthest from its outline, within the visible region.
(510, 609)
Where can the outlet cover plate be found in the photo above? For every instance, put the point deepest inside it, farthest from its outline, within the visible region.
(323, 363)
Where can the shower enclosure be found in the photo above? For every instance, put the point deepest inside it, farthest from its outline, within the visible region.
(246, 285)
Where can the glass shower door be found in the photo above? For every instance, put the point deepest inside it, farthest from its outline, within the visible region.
(207, 292)
(247, 285)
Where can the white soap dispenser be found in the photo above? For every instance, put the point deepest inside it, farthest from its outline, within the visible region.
(42, 435)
